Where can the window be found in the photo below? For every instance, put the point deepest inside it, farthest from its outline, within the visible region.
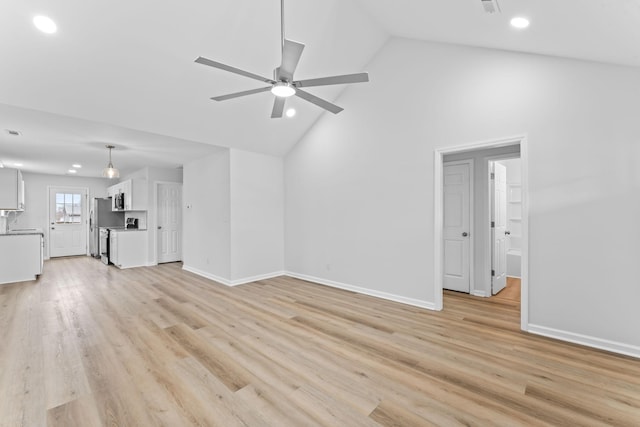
(68, 208)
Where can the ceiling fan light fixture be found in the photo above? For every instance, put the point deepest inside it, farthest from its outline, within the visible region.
(110, 172)
(283, 89)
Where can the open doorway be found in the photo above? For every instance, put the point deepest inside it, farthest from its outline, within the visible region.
(485, 243)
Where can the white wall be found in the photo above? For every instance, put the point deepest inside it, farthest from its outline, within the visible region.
(206, 216)
(36, 195)
(233, 231)
(359, 186)
(257, 215)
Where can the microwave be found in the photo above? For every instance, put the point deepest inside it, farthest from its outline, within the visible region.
(118, 201)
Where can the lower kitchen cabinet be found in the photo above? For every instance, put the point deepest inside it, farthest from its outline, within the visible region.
(128, 248)
(20, 257)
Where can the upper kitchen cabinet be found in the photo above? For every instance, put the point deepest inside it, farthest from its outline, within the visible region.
(134, 192)
(11, 190)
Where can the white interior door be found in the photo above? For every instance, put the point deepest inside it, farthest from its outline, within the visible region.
(67, 221)
(499, 223)
(457, 222)
(169, 222)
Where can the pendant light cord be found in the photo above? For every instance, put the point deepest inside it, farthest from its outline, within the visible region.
(282, 24)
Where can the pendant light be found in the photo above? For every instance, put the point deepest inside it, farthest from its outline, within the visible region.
(110, 172)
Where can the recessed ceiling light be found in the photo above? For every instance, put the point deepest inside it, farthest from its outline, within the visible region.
(291, 112)
(18, 164)
(72, 171)
(45, 24)
(77, 166)
(519, 22)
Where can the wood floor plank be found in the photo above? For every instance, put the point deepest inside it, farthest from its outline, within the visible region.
(79, 412)
(88, 345)
(65, 377)
(225, 368)
(391, 414)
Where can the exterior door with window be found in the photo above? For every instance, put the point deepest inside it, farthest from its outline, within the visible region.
(67, 222)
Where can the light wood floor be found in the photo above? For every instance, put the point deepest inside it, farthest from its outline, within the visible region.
(90, 345)
(510, 294)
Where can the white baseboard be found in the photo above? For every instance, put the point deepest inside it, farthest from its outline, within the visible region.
(228, 282)
(477, 293)
(256, 278)
(589, 341)
(206, 275)
(131, 266)
(391, 297)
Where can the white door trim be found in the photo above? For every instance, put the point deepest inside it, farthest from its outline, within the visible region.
(439, 219)
(472, 231)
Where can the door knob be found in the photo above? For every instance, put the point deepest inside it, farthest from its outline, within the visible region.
(507, 233)
(159, 227)
(465, 234)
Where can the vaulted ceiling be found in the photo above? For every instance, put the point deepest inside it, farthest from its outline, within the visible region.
(122, 72)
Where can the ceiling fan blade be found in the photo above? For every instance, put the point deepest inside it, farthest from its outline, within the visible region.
(319, 101)
(239, 94)
(278, 107)
(291, 53)
(334, 80)
(214, 64)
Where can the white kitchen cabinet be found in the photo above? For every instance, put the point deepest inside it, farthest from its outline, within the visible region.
(136, 198)
(11, 190)
(135, 194)
(20, 257)
(111, 191)
(128, 248)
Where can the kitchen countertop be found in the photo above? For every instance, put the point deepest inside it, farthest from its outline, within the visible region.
(126, 229)
(23, 231)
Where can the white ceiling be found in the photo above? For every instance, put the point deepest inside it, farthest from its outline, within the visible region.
(122, 72)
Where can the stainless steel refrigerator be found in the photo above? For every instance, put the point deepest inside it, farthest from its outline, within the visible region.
(101, 215)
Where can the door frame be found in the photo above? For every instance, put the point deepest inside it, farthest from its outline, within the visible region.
(438, 216)
(85, 215)
(472, 231)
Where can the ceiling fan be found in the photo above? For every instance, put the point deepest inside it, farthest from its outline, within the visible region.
(283, 85)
